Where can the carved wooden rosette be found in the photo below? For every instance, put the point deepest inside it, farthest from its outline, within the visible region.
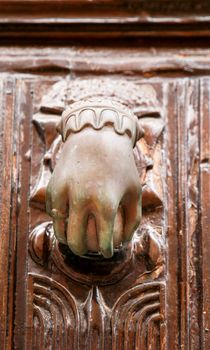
(137, 268)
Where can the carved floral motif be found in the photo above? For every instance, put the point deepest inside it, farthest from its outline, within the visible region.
(134, 322)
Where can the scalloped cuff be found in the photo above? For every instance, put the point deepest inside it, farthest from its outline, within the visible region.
(98, 113)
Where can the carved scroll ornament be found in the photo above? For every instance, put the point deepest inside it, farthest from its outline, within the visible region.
(93, 197)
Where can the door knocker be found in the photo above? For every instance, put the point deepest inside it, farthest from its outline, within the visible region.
(94, 194)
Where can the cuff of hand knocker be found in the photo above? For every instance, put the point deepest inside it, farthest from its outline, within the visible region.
(98, 113)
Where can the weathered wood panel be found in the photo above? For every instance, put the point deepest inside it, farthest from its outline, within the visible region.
(104, 18)
(166, 290)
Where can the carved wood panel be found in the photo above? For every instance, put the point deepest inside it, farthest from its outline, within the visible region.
(98, 312)
(150, 295)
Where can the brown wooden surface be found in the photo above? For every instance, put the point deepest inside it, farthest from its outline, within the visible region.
(105, 18)
(47, 303)
(103, 8)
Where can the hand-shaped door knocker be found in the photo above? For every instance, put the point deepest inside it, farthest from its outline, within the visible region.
(94, 194)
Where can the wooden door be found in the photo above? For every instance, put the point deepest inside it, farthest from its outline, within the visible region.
(154, 292)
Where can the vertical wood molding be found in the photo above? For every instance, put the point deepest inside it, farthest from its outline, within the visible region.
(204, 217)
(172, 290)
(8, 179)
(23, 114)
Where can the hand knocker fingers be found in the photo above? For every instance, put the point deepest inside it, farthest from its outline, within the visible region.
(76, 231)
(132, 214)
(57, 207)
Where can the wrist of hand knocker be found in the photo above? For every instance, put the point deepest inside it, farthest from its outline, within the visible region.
(97, 114)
